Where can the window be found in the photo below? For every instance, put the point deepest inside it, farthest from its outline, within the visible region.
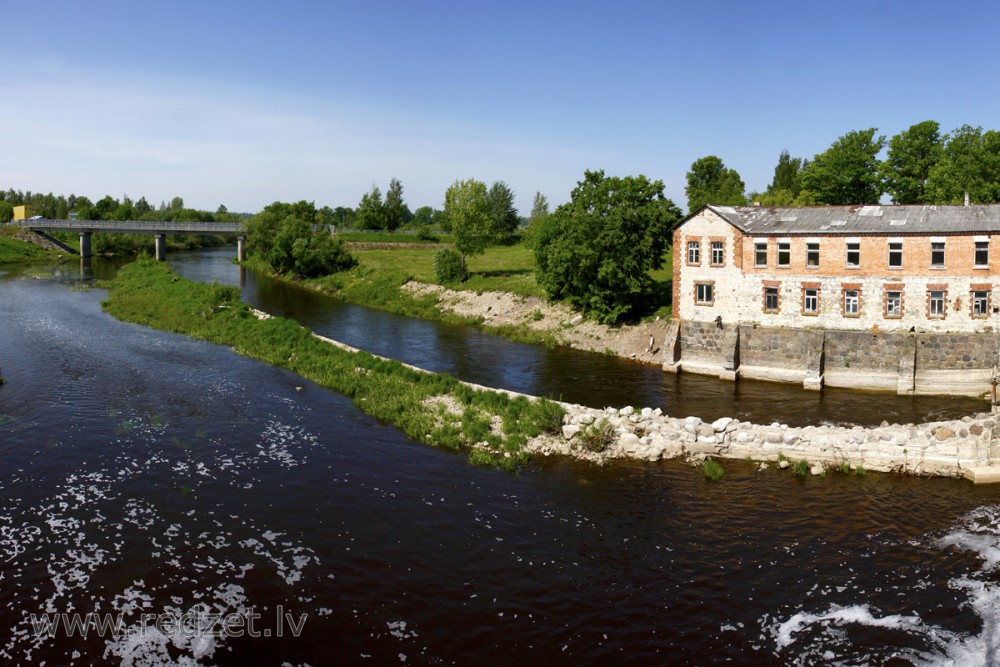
(812, 254)
(935, 303)
(694, 252)
(895, 254)
(770, 299)
(852, 301)
(980, 303)
(893, 303)
(760, 253)
(704, 294)
(982, 254)
(810, 301)
(854, 254)
(784, 253)
(718, 253)
(937, 254)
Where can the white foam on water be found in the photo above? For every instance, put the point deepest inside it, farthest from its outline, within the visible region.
(808, 637)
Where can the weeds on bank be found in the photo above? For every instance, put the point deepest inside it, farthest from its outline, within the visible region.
(712, 470)
(597, 437)
(147, 292)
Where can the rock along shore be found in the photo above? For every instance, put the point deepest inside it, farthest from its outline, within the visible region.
(966, 447)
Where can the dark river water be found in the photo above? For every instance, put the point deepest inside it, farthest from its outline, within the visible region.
(160, 480)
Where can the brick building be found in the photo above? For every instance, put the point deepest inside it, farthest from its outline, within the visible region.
(870, 268)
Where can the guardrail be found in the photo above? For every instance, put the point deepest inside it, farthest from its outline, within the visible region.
(135, 226)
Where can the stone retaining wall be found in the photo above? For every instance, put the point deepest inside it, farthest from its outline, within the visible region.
(962, 447)
(917, 363)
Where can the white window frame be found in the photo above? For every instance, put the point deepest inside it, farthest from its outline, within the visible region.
(935, 304)
(694, 252)
(981, 245)
(893, 304)
(784, 247)
(895, 248)
(701, 290)
(980, 303)
(759, 247)
(852, 302)
(938, 246)
(810, 297)
(812, 252)
(718, 253)
(768, 293)
(856, 249)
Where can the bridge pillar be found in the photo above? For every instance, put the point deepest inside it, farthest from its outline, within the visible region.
(161, 247)
(85, 250)
(241, 248)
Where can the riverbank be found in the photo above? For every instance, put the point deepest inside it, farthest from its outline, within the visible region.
(21, 245)
(504, 429)
(519, 317)
(437, 410)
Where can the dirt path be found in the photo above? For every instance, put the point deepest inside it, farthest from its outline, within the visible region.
(567, 326)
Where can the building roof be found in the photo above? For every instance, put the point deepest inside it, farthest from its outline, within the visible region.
(861, 220)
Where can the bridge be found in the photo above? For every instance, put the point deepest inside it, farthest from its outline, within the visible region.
(159, 229)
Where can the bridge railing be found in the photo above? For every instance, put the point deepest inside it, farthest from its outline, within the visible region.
(136, 226)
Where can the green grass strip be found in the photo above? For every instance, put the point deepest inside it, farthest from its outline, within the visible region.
(147, 292)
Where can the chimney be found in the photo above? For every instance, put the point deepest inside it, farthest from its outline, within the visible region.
(966, 197)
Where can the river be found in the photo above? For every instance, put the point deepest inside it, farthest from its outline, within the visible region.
(145, 473)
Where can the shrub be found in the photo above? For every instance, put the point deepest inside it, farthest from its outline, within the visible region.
(597, 437)
(448, 266)
(801, 467)
(712, 470)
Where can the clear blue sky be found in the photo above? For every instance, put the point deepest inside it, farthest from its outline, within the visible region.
(245, 103)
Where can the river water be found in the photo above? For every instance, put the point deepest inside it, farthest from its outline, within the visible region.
(145, 473)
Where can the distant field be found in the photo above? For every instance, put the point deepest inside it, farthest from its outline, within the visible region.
(503, 268)
(391, 237)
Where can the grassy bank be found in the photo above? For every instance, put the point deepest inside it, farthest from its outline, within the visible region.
(435, 409)
(14, 250)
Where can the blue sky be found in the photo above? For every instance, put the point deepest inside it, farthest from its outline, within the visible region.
(245, 103)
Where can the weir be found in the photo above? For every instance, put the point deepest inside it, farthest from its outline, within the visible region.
(926, 363)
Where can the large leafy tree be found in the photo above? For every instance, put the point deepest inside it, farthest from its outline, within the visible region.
(370, 213)
(396, 214)
(912, 155)
(287, 237)
(596, 251)
(468, 209)
(848, 171)
(500, 199)
(970, 163)
(710, 182)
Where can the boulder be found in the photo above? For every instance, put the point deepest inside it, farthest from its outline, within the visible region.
(569, 430)
(721, 424)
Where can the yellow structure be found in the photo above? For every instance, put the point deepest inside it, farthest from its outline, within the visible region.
(22, 213)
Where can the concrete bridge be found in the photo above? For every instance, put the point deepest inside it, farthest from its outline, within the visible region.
(158, 229)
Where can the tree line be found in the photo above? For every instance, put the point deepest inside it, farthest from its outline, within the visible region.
(922, 165)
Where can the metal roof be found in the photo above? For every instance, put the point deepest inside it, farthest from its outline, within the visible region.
(862, 219)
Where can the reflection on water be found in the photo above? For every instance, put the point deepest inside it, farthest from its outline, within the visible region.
(146, 473)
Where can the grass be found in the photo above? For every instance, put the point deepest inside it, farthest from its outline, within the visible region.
(147, 292)
(712, 470)
(801, 468)
(391, 237)
(596, 437)
(14, 250)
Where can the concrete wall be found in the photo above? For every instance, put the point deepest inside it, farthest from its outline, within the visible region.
(924, 363)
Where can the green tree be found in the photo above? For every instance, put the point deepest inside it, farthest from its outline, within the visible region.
(105, 208)
(370, 213)
(710, 182)
(396, 213)
(471, 217)
(500, 199)
(787, 176)
(539, 208)
(848, 171)
(177, 203)
(6, 212)
(596, 251)
(423, 217)
(970, 163)
(287, 237)
(142, 207)
(911, 156)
